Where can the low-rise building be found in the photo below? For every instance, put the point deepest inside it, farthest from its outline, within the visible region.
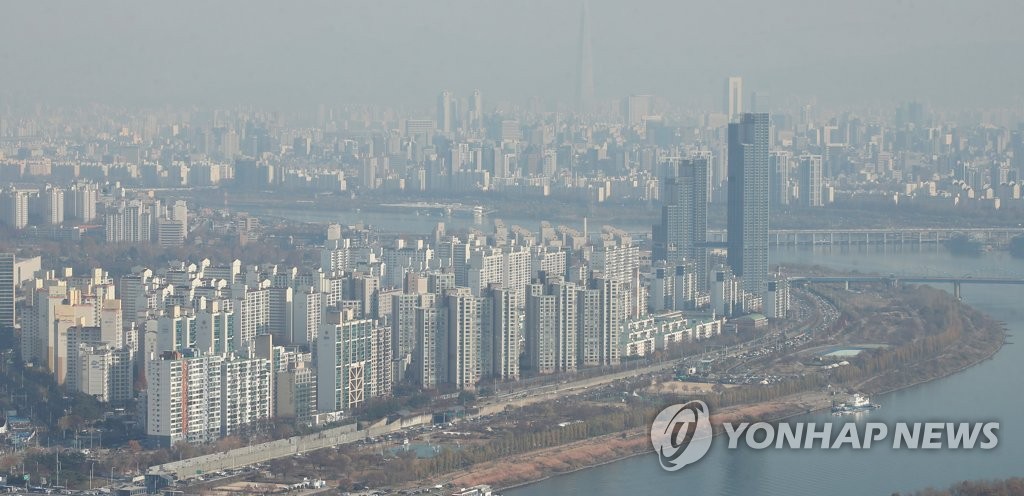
(662, 331)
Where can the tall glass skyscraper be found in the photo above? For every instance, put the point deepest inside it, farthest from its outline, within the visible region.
(682, 234)
(748, 200)
(584, 64)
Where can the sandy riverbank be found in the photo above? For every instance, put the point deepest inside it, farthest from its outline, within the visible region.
(527, 468)
(535, 466)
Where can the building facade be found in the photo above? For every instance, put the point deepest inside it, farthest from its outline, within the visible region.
(747, 215)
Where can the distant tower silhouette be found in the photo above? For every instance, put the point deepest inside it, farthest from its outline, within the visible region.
(733, 105)
(445, 115)
(585, 67)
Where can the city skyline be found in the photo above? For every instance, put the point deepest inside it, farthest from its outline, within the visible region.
(199, 68)
(405, 247)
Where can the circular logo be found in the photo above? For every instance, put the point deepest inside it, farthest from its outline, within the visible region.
(681, 434)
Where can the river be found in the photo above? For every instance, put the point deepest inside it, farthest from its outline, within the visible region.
(416, 221)
(989, 391)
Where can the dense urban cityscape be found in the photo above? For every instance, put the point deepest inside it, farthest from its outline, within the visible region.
(190, 293)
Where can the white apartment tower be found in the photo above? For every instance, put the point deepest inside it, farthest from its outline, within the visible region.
(353, 363)
(424, 368)
(600, 316)
(551, 328)
(7, 286)
(244, 393)
(184, 398)
(463, 339)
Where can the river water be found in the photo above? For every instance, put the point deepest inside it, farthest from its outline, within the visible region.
(989, 391)
(416, 221)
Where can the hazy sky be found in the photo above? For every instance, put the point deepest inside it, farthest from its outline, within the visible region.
(947, 52)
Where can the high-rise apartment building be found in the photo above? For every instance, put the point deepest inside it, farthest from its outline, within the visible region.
(778, 188)
(14, 208)
(245, 396)
(549, 260)
(129, 223)
(215, 328)
(183, 397)
(403, 258)
(540, 330)
(176, 330)
(198, 398)
(616, 256)
(336, 256)
(501, 317)
(65, 316)
(82, 202)
(429, 323)
(295, 392)
(7, 287)
(747, 216)
(353, 363)
(170, 232)
(36, 334)
(682, 234)
(111, 321)
(463, 339)
(673, 287)
(509, 266)
(106, 372)
(282, 306)
(551, 329)
(726, 293)
(307, 309)
(53, 200)
(776, 300)
(403, 323)
(600, 314)
(810, 181)
(484, 268)
(251, 307)
(77, 337)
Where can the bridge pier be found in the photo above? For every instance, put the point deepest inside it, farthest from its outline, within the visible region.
(956, 289)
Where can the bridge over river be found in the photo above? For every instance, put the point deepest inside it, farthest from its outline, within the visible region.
(894, 280)
(996, 236)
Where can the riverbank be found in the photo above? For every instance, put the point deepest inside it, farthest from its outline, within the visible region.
(536, 466)
(532, 468)
(982, 339)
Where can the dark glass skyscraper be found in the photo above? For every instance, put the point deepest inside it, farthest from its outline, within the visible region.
(682, 234)
(748, 200)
